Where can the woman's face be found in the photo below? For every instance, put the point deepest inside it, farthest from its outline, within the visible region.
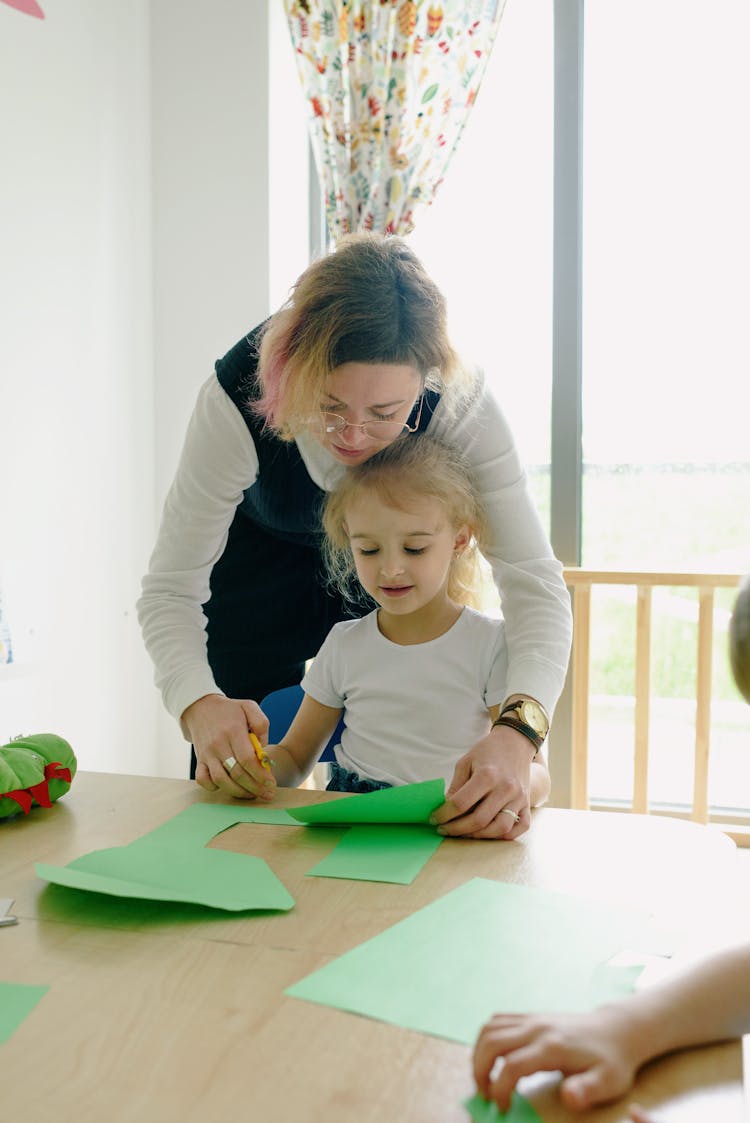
(379, 396)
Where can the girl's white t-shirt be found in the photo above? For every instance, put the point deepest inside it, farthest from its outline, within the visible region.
(411, 710)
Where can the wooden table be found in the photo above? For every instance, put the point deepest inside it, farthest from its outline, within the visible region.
(178, 1014)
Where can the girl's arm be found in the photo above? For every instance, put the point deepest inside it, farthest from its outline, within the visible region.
(599, 1053)
(293, 758)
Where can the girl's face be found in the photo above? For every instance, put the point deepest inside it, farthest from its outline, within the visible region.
(403, 557)
(379, 396)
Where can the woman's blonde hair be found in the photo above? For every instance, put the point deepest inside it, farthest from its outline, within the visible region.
(370, 301)
(411, 467)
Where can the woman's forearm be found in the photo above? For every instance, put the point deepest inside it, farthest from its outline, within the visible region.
(197, 513)
(535, 600)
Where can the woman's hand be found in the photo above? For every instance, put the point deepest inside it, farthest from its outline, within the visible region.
(593, 1051)
(490, 793)
(219, 729)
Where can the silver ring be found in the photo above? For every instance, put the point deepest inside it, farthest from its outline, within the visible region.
(229, 763)
(510, 811)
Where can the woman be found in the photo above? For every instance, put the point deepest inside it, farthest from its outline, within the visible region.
(235, 600)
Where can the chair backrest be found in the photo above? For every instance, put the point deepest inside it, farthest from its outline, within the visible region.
(280, 706)
(581, 581)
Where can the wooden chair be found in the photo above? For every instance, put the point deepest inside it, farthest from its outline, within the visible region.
(581, 582)
(280, 706)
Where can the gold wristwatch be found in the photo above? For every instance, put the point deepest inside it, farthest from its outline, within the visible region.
(528, 717)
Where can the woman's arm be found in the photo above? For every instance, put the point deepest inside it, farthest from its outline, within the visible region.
(535, 600)
(497, 772)
(217, 463)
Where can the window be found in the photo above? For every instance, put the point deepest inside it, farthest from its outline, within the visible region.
(666, 284)
(665, 351)
(487, 237)
(666, 363)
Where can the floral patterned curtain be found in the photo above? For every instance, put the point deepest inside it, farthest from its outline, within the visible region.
(389, 86)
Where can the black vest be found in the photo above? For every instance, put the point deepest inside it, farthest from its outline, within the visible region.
(283, 500)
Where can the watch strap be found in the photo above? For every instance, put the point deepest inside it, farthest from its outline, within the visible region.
(521, 727)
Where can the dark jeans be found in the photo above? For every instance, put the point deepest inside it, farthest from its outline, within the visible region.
(344, 781)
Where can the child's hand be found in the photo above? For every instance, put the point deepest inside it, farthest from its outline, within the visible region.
(591, 1050)
(638, 1115)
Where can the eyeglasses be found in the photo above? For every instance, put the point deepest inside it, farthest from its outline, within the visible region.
(378, 430)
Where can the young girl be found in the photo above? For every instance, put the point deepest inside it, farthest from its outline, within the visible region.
(423, 676)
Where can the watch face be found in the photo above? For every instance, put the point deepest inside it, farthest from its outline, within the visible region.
(533, 715)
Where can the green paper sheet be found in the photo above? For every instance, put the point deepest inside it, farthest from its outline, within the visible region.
(155, 870)
(17, 1000)
(385, 852)
(484, 1111)
(484, 947)
(407, 803)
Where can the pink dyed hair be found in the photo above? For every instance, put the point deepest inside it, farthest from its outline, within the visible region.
(371, 300)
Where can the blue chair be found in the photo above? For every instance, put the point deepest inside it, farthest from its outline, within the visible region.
(280, 706)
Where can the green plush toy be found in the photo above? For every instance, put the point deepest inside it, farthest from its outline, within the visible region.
(37, 769)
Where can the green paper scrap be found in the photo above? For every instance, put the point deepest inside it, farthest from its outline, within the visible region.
(386, 852)
(487, 946)
(17, 1000)
(614, 981)
(486, 1111)
(153, 870)
(406, 803)
(200, 822)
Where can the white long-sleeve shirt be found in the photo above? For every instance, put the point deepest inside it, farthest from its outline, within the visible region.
(219, 462)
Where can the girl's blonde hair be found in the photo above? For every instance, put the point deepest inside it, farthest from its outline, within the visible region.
(415, 466)
(370, 301)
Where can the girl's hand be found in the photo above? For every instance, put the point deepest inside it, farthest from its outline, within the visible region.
(591, 1050)
(219, 729)
(489, 795)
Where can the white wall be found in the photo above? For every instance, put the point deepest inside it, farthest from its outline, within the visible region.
(135, 251)
(76, 481)
(209, 74)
